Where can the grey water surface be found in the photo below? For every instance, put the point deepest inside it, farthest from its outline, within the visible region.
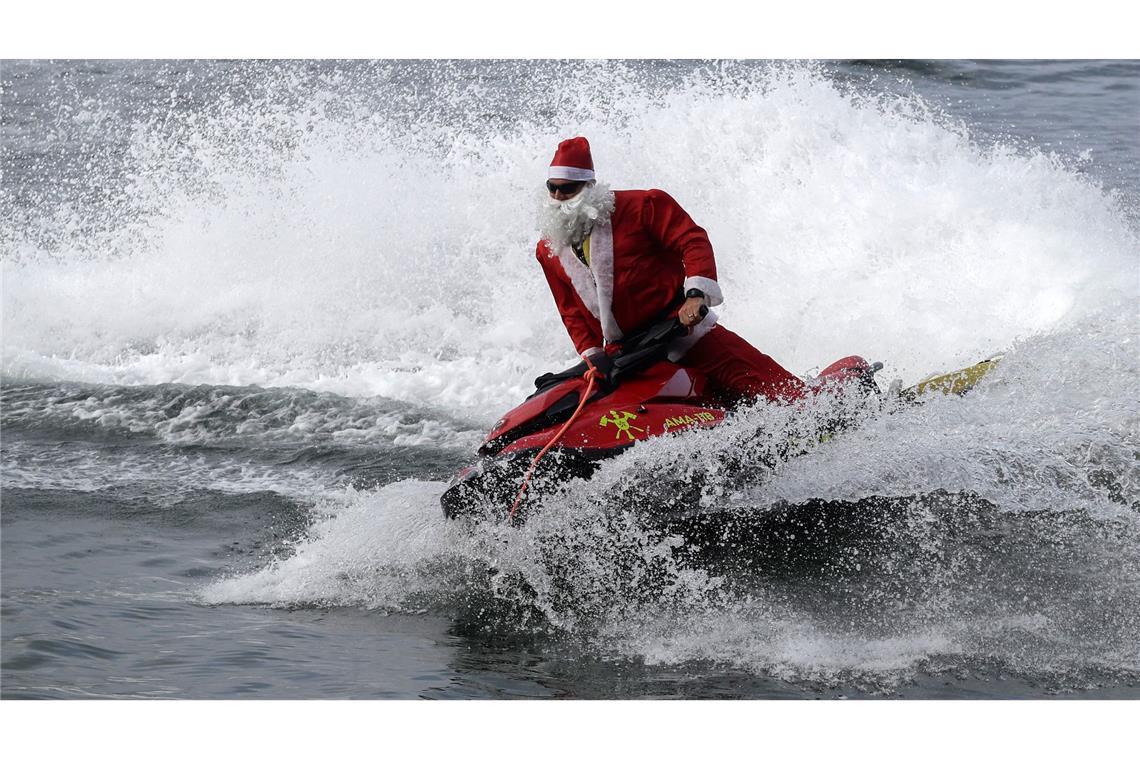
(209, 540)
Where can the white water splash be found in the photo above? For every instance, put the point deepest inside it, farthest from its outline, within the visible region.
(364, 258)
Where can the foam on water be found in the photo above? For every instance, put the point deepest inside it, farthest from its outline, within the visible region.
(384, 550)
(1049, 601)
(1046, 431)
(161, 476)
(256, 417)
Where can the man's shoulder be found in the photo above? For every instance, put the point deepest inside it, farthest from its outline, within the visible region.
(625, 196)
(638, 201)
(628, 200)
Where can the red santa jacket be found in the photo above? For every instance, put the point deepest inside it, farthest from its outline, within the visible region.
(648, 253)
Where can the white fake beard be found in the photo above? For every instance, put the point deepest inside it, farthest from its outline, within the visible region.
(568, 222)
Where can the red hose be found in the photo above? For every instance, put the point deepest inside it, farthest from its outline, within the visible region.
(591, 375)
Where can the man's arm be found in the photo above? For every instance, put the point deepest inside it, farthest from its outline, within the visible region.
(584, 329)
(671, 226)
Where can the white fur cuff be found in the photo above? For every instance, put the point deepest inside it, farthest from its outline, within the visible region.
(709, 287)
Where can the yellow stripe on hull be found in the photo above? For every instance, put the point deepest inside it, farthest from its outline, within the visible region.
(957, 382)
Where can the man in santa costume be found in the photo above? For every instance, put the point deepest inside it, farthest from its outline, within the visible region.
(618, 260)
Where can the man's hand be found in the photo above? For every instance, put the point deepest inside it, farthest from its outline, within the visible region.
(602, 362)
(690, 312)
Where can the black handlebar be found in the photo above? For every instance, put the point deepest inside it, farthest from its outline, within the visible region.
(638, 351)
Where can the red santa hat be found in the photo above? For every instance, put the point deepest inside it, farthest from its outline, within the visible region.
(572, 160)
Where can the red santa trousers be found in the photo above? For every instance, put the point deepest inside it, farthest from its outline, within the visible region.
(737, 369)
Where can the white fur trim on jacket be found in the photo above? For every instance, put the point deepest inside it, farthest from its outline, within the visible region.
(570, 172)
(681, 346)
(602, 265)
(713, 296)
(580, 278)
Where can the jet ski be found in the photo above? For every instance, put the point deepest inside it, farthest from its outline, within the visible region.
(639, 394)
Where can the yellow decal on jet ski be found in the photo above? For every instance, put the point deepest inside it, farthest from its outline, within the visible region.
(622, 423)
(953, 382)
(688, 419)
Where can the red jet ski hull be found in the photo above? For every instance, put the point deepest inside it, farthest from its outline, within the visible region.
(662, 399)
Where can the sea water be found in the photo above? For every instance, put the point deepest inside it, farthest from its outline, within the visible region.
(255, 314)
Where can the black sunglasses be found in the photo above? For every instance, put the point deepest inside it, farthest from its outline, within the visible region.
(569, 188)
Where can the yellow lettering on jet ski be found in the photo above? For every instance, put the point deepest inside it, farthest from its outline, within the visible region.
(621, 422)
(688, 420)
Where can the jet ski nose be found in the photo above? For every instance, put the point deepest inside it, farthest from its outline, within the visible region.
(461, 490)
